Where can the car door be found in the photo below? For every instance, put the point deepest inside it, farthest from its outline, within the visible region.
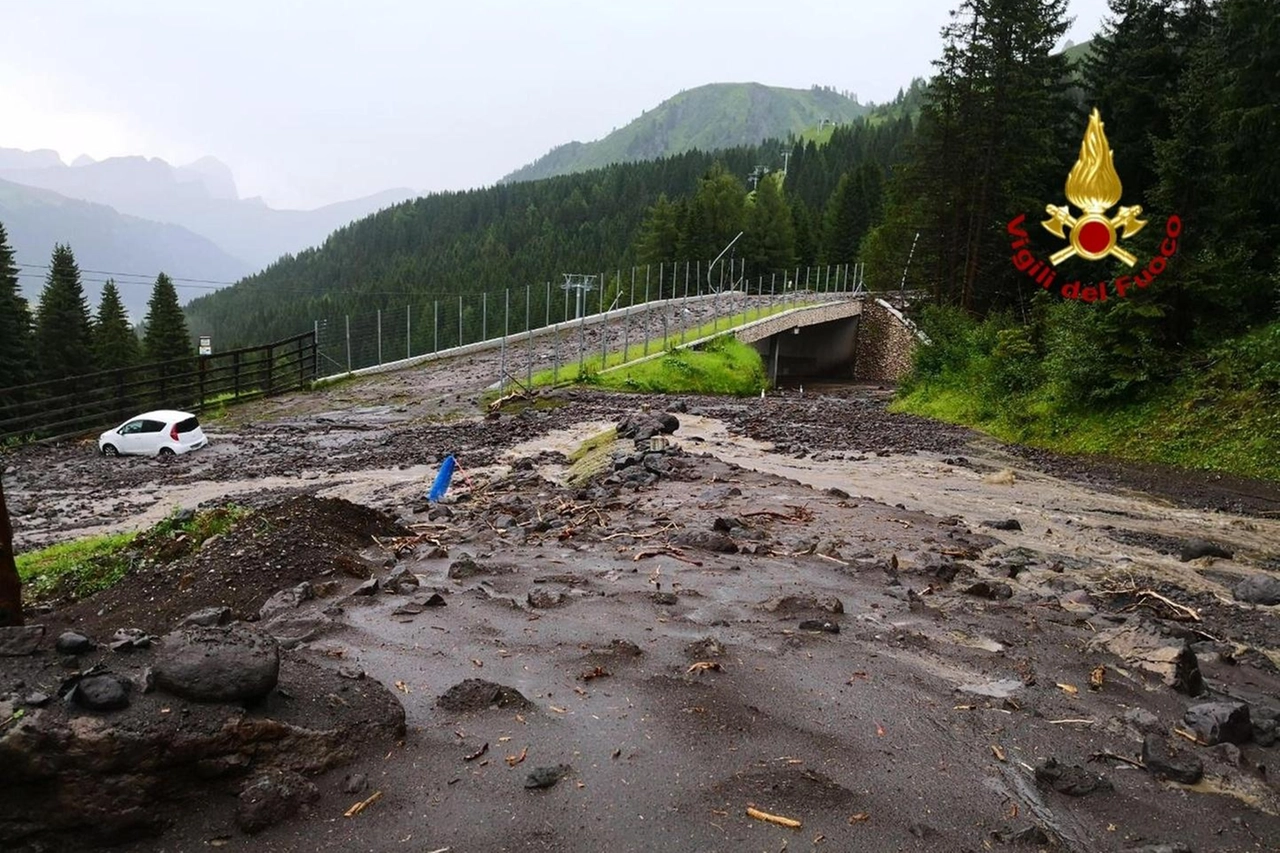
(129, 436)
(149, 438)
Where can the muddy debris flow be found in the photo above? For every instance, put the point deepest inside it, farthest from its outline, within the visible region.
(642, 623)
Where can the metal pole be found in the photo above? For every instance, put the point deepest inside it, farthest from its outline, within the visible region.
(379, 336)
(348, 318)
(604, 327)
(648, 309)
(408, 331)
(435, 326)
(484, 315)
(548, 305)
(902, 287)
(506, 327)
(459, 320)
(528, 330)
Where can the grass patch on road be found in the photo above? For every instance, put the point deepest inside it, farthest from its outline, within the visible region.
(590, 369)
(74, 570)
(723, 365)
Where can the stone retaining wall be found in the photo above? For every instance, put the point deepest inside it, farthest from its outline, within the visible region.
(885, 345)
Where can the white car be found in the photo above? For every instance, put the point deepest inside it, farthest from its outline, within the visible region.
(160, 433)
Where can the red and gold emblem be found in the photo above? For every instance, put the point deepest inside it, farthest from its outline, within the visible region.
(1094, 187)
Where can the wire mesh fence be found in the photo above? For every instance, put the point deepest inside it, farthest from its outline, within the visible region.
(582, 322)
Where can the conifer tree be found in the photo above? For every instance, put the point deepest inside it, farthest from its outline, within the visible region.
(660, 234)
(63, 331)
(715, 215)
(15, 324)
(770, 238)
(114, 343)
(166, 337)
(854, 207)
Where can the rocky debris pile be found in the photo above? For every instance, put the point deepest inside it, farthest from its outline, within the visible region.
(145, 727)
(270, 549)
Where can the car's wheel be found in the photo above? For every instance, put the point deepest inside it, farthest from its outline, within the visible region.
(167, 452)
(110, 450)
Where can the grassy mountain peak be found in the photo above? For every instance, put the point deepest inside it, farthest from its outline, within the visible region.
(708, 118)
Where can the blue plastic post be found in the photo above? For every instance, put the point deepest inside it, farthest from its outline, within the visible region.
(441, 485)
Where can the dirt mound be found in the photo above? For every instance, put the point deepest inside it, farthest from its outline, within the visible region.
(266, 551)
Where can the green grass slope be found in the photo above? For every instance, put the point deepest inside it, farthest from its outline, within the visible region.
(719, 115)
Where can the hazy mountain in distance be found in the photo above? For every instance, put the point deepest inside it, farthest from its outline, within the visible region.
(103, 239)
(83, 160)
(201, 197)
(711, 117)
(16, 158)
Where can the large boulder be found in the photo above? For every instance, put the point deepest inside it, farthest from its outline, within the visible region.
(218, 664)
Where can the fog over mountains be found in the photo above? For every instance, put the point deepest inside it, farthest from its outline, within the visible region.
(140, 215)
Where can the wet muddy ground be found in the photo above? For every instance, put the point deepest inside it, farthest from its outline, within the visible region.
(944, 666)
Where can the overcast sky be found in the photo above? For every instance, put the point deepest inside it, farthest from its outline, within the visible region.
(313, 101)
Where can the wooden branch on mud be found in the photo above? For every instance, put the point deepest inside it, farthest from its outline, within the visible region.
(657, 532)
(1181, 612)
(1108, 755)
(674, 553)
(797, 514)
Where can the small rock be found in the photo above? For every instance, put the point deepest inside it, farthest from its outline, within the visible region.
(72, 643)
(543, 598)
(1228, 752)
(992, 590)
(545, 777)
(438, 552)
(270, 799)
(706, 540)
(1266, 732)
(1167, 762)
(20, 640)
(1258, 589)
(354, 783)
(36, 699)
(207, 617)
(464, 567)
(1143, 720)
(1003, 524)
(128, 639)
(354, 673)
(283, 601)
(1195, 548)
(1143, 646)
(475, 694)
(1220, 722)
(819, 625)
(666, 598)
(434, 600)
(102, 692)
(840, 494)
(369, 587)
(1070, 779)
(803, 603)
(402, 582)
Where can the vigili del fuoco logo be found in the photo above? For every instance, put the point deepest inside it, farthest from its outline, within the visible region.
(1094, 187)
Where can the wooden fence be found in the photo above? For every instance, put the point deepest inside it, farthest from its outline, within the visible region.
(64, 408)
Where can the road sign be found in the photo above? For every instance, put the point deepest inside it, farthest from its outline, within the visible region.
(206, 345)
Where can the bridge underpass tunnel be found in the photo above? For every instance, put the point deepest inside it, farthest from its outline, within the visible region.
(822, 351)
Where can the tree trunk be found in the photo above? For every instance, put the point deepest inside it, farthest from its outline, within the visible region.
(10, 586)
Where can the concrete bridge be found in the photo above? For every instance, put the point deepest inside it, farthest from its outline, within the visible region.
(862, 338)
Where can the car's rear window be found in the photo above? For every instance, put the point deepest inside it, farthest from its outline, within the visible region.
(188, 425)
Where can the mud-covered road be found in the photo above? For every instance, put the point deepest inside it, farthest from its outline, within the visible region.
(983, 652)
